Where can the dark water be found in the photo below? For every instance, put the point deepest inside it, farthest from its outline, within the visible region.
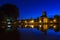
(9, 35)
(34, 34)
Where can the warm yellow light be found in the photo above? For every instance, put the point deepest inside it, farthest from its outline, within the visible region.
(51, 21)
(45, 20)
(54, 26)
(54, 20)
(32, 26)
(40, 26)
(25, 21)
(40, 21)
(26, 25)
(51, 24)
(45, 27)
(32, 21)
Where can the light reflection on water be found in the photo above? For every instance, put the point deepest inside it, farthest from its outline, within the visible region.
(28, 33)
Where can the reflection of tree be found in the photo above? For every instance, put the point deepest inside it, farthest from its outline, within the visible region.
(11, 35)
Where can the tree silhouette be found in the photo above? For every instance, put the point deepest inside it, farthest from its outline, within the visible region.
(10, 11)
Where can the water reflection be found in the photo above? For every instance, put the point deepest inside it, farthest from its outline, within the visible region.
(34, 34)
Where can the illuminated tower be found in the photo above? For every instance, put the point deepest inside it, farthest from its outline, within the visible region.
(44, 21)
(10, 14)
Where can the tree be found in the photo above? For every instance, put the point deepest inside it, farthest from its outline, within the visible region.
(10, 10)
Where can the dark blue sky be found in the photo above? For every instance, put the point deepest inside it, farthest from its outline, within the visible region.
(33, 8)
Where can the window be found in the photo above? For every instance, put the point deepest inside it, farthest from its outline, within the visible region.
(45, 26)
(26, 25)
(54, 20)
(32, 21)
(45, 20)
(9, 25)
(9, 22)
(54, 26)
(32, 26)
(40, 26)
(51, 21)
(40, 21)
(25, 21)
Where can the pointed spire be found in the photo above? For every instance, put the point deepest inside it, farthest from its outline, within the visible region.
(44, 13)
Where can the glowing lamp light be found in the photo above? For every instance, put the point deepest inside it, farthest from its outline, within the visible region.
(32, 26)
(26, 25)
(40, 21)
(54, 20)
(9, 25)
(54, 26)
(40, 26)
(45, 20)
(9, 22)
(25, 21)
(32, 21)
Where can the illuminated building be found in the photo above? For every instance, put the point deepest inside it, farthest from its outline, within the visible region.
(57, 17)
(42, 23)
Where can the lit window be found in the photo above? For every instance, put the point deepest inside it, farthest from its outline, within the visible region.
(54, 26)
(51, 21)
(32, 26)
(26, 25)
(40, 26)
(9, 22)
(54, 20)
(32, 21)
(40, 21)
(51, 24)
(9, 25)
(25, 21)
(45, 27)
(45, 20)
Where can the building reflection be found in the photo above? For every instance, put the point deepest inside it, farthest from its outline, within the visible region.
(42, 23)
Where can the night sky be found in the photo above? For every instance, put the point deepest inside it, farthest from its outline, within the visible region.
(34, 8)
